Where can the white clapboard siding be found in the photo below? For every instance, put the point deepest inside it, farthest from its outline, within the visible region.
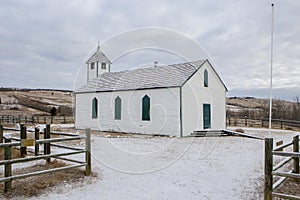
(164, 111)
(194, 95)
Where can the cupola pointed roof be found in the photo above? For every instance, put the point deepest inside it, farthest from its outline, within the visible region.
(98, 56)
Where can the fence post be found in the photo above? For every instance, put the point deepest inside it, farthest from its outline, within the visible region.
(47, 145)
(36, 137)
(64, 119)
(51, 120)
(23, 136)
(7, 167)
(296, 149)
(245, 120)
(268, 169)
(1, 133)
(45, 120)
(88, 167)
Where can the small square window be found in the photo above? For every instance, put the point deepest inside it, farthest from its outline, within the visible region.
(92, 65)
(103, 65)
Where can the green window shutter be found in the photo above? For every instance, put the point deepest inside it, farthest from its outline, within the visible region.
(118, 104)
(146, 108)
(205, 78)
(94, 108)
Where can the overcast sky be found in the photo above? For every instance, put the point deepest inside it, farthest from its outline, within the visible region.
(44, 44)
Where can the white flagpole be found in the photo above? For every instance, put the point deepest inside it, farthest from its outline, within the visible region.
(271, 71)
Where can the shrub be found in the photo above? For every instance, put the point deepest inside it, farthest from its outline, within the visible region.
(53, 111)
(240, 130)
(65, 110)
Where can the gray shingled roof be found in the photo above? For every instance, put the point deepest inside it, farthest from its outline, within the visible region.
(153, 77)
(98, 56)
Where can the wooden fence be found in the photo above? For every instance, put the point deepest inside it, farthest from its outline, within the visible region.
(271, 171)
(47, 119)
(47, 142)
(262, 122)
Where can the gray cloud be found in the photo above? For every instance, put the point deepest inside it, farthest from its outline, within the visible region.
(49, 40)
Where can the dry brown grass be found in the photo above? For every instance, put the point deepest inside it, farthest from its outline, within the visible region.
(37, 185)
(290, 187)
(15, 153)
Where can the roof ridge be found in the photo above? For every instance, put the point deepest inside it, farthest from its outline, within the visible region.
(164, 66)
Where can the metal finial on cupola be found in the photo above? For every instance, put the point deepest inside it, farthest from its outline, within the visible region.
(98, 47)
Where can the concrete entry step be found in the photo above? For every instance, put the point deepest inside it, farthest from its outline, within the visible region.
(209, 133)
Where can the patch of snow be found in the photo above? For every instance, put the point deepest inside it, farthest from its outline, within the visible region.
(57, 126)
(65, 125)
(177, 168)
(174, 168)
(276, 134)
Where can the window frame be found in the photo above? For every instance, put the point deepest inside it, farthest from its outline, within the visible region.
(205, 82)
(94, 108)
(92, 65)
(146, 104)
(103, 64)
(118, 108)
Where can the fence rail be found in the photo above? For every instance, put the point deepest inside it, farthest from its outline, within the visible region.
(47, 119)
(23, 142)
(271, 171)
(262, 122)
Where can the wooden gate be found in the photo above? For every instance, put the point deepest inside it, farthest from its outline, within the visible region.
(271, 171)
(47, 142)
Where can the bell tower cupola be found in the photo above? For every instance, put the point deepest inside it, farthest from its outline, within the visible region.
(97, 64)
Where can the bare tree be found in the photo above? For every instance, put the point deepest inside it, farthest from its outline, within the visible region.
(296, 109)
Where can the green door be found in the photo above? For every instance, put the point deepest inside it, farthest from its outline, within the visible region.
(206, 116)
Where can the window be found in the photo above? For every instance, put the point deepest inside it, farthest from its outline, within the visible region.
(146, 108)
(103, 65)
(205, 78)
(94, 108)
(118, 104)
(92, 65)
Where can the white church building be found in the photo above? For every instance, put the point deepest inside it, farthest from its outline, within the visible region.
(170, 100)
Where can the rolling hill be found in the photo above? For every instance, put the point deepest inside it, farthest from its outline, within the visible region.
(22, 102)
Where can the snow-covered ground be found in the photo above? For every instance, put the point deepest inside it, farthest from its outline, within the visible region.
(175, 168)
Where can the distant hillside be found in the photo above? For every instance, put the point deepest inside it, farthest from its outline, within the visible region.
(14, 101)
(256, 107)
(35, 101)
